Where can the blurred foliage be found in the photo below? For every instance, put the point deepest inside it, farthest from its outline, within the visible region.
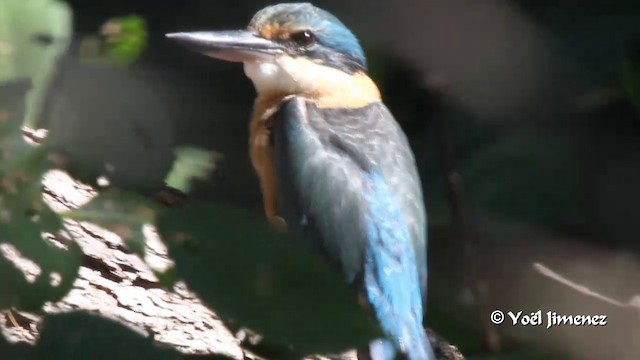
(25, 220)
(194, 163)
(15, 351)
(273, 283)
(120, 42)
(84, 336)
(125, 37)
(122, 213)
(33, 35)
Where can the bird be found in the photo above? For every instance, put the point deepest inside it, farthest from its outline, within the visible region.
(332, 162)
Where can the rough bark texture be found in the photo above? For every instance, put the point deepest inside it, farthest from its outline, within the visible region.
(117, 284)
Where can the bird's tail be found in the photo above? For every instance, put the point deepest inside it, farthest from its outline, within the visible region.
(384, 349)
(391, 279)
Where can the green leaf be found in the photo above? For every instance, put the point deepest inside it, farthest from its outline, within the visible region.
(121, 41)
(191, 163)
(24, 217)
(122, 213)
(33, 35)
(127, 39)
(263, 280)
(83, 336)
(58, 267)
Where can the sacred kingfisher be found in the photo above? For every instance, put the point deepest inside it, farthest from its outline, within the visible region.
(332, 161)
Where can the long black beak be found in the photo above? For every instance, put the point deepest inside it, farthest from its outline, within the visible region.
(237, 45)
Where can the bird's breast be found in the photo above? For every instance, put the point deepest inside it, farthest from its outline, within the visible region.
(358, 93)
(261, 151)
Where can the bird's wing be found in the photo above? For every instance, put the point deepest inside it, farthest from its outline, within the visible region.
(349, 179)
(328, 163)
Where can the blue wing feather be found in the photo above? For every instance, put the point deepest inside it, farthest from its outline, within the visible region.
(348, 179)
(390, 272)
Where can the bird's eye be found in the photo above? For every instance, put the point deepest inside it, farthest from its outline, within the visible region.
(303, 38)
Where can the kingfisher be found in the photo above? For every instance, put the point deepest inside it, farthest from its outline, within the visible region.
(332, 161)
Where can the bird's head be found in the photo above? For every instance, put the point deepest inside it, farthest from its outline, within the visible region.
(291, 49)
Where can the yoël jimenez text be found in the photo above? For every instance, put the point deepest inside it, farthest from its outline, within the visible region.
(554, 319)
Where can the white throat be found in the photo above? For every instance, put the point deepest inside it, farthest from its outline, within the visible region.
(270, 76)
(284, 75)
